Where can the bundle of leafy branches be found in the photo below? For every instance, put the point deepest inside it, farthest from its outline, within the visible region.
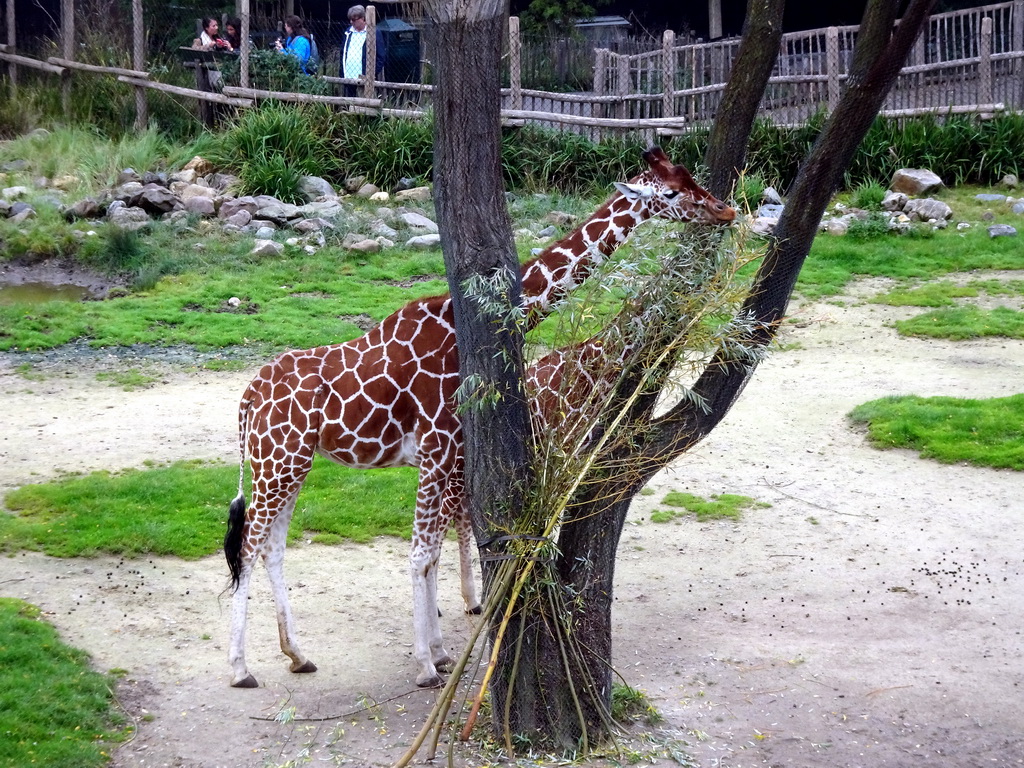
(272, 70)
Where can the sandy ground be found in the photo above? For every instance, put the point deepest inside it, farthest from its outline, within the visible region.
(871, 616)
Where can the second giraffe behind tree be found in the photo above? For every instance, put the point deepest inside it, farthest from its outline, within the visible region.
(386, 399)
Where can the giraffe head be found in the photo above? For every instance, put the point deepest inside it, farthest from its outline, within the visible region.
(669, 191)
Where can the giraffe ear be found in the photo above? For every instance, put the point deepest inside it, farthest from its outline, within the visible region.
(632, 191)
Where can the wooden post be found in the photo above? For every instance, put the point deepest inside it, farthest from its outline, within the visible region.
(515, 63)
(985, 63)
(714, 19)
(67, 50)
(668, 73)
(370, 73)
(600, 80)
(622, 84)
(243, 64)
(1018, 48)
(139, 63)
(12, 68)
(832, 65)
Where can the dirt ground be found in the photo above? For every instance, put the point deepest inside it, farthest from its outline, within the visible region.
(871, 616)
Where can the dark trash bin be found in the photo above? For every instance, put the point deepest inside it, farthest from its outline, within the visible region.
(402, 42)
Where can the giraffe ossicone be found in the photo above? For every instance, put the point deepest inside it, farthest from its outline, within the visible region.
(386, 399)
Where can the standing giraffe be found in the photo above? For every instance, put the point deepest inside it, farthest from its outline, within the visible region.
(386, 399)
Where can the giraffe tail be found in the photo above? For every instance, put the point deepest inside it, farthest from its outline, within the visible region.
(236, 513)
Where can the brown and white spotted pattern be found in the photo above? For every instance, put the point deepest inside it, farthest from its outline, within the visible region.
(386, 400)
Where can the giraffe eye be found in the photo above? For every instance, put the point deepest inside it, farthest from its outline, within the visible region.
(671, 194)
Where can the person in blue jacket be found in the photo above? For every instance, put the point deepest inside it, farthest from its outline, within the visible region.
(297, 42)
(353, 50)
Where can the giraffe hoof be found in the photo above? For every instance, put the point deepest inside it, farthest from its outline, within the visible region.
(246, 682)
(445, 663)
(475, 610)
(306, 666)
(430, 682)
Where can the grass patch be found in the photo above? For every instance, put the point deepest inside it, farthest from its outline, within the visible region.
(940, 294)
(128, 380)
(722, 506)
(181, 510)
(54, 710)
(986, 433)
(958, 323)
(631, 705)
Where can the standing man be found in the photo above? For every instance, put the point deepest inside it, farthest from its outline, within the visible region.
(353, 50)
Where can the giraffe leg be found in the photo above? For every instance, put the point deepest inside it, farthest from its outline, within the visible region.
(464, 528)
(273, 558)
(240, 677)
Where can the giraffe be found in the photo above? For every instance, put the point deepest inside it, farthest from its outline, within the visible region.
(386, 399)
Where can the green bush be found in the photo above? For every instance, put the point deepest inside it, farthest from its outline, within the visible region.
(869, 196)
(873, 225)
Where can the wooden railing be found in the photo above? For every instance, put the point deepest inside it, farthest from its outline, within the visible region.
(967, 61)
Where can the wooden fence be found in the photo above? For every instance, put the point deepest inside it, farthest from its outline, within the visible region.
(967, 61)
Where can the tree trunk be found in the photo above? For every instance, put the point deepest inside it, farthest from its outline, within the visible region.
(727, 145)
(476, 237)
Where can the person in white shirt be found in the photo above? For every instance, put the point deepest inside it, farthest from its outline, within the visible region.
(353, 50)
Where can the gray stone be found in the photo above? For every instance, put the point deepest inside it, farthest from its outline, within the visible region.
(416, 194)
(279, 213)
(312, 187)
(838, 226)
(1018, 207)
(1010, 181)
(265, 233)
(87, 208)
(13, 166)
(418, 223)
(238, 219)
(325, 209)
(379, 228)
(353, 183)
(223, 182)
(423, 242)
(150, 177)
(128, 192)
(560, 219)
(367, 190)
(990, 198)
(914, 181)
(385, 242)
(764, 225)
(771, 196)
(115, 205)
(230, 207)
(894, 202)
(188, 191)
(315, 224)
(157, 199)
(364, 246)
(129, 218)
(126, 176)
(1002, 230)
(404, 183)
(927, 209)
(22, 212)
(267, 248)
(185, 176)
(770, 211)
(202, 206)
(549, 231)
(5, 209)
(13, 193)
(387, 215)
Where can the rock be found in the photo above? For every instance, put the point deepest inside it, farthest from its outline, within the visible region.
(186, 192)
(990, 198)
(770, 211)
(5, 209)
(926, 209)
(418, 223)
(353, 183)
(771, 196)
(305, 226)
(279, 213)
(313, 187)
(560, 218)
(1002, 230)
(961, 226)
(65, 182)
(423, 242)
(1010, 181)
(86, 208)
(387, 215)
(128, 192)
(914, 181)
(385, 242)
(267, 248)
(14, 166)
(230, 207)
(416, 194)
(203, 206)
(325, 209)
(764, 225)
(523, 233)
(22, 212)
(239, 218)
(128, 217)
(1018, 207)
(157, 199)
(185, 176)
(367, 190)
(549, 231)
(404, 183)
(150, 177)
(127, 176)
(198, 164)
(222, 182)
(13, 193)
(234, 301)
(379, 228)
(894, 201)
(988, 216)
(837, 227)
(265, 233)
(364, 246)
(380, 197)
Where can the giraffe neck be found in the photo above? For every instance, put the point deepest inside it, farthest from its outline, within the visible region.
(564, 265)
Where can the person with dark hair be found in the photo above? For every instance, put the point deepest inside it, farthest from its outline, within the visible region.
(233, 32)
(353, 50)
(209, 38)
(297, 43)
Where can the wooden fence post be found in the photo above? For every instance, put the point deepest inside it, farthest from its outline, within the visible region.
(622, 84)
(243, 64)
(985, 61)
(832, 66)
(515, 63)
(139, 63)
(1018, 48)
(12, 68)
(67, 50)
(668, 73)
(370, 70)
